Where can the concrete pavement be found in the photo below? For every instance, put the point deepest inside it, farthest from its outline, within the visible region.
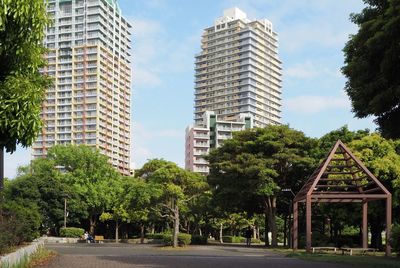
(128, 255)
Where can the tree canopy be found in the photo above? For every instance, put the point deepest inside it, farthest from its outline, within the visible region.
(372, 65)
(248, 171)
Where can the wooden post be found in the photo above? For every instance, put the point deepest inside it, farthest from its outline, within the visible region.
(308, 224)
(388, 224)
(365, 224)
(295, 225)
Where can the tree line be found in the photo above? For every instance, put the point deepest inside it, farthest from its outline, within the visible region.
(244, 188)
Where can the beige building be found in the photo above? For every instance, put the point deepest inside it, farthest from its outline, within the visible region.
(89, 58)
(211, 133)
(238, 70)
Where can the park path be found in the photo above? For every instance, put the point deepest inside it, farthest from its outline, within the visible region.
(111, 255)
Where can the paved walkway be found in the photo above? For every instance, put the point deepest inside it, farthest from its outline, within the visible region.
(125, 255)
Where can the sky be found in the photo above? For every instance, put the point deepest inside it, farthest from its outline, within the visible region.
(166, 35)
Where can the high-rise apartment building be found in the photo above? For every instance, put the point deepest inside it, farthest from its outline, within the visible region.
(238, 69)
(89, 59)
(211, 133)
(238, 84)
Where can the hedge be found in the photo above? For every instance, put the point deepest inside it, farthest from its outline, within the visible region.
(233, 239)
(71, 232)
(183, 239)
(155, 236)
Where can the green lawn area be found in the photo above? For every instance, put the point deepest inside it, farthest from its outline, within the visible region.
(379, 260)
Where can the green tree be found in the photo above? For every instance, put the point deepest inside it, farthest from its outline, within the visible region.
(89, 173)
(22, 86)
(372, 64)
(380, 156)
(178, 186)
(248, 171)
(140, 197)
(35, 185)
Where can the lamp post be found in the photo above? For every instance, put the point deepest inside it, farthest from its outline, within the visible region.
(289, 190)
(65, 209)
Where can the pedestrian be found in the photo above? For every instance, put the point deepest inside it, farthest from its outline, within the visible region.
(248, 235)
(86, 236)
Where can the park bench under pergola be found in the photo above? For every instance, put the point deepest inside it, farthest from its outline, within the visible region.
(342, 178)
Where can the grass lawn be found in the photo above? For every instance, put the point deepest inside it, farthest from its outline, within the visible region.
(379, 260)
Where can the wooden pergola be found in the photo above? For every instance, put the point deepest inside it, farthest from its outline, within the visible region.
(342, 178)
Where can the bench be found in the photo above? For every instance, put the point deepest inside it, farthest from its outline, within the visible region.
(316, 249)
(99, 239)
(362, 250)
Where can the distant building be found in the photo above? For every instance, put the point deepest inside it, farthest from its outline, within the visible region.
(238, 83)
(88, 56)
(238, 70)
(210, 133)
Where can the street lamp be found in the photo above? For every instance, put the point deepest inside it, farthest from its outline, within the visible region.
(65, 210)
(289, 190)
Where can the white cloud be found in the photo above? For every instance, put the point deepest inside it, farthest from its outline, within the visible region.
(309, 69)
(146, 140)
(315, 104)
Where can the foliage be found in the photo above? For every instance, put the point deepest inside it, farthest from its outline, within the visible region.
(248, 171)
(233, 239)
(199, 240)
(90, 175)
(18, 223)
(156, 236)
(71, 232)
(176, 185)
(395, 239)
(183, 239)
(372, 64)
(41, 184)
(22, 87)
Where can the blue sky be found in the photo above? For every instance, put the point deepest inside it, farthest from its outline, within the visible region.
(166, 35)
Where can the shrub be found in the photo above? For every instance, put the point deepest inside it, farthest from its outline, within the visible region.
(233, 239)
(71, 232)
(183, 239)
(199, 240)
(255, 241)
(155, 236)
(395, 239)
(20, 224)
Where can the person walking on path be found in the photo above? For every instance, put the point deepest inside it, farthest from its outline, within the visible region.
(248, 236)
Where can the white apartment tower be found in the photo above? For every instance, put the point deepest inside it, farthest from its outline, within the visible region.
(89, 59)
(238, 70)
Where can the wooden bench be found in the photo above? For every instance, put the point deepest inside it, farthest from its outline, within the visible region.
(98, 239)
(362, 250)
(316, 249)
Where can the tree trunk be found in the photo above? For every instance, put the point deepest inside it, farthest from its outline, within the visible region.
(92, 222)
(221, 227)
(116, 231)
(266, 229)
(142, 233)
(1, 167)
(284, 230)
(200, 233)
(271, 212)
(176, 227)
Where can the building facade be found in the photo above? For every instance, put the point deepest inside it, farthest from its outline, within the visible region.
(237, 86)
(89, 59)
(238, 70)
(210, 133)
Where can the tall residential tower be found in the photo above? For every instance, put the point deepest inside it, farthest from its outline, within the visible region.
(238, 70)
(238, 83)
(89, 59)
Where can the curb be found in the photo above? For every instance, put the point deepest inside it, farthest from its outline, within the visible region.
(21, 254)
